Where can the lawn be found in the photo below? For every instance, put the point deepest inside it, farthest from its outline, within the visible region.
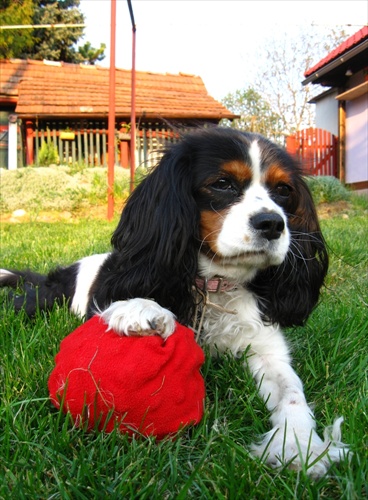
(43, 456)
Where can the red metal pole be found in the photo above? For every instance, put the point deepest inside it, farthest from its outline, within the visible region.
(132, 119)
(132, 103)
(111, 119)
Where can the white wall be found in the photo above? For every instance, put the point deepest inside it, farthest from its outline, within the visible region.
(12, 142)
(327, 112)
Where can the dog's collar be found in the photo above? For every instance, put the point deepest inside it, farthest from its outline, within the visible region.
(204, 287)
(215, 285)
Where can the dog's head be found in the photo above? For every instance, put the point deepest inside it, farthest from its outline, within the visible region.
(222, 202)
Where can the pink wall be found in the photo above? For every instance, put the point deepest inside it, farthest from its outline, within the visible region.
(357, 140)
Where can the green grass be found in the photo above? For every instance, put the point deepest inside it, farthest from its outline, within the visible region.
(43, 456)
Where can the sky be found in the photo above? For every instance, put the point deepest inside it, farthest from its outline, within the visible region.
(218, 40)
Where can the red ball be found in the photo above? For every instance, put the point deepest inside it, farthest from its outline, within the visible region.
(140, 384)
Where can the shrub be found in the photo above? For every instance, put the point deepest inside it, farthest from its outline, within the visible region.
(48, 154)
(326, 189)
(58, 188)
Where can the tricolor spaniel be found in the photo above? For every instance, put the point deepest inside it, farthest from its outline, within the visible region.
(223, 235)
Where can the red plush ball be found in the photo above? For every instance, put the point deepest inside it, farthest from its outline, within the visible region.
(142, 384)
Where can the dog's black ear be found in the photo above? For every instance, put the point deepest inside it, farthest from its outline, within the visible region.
(289, 292)
(156, 241)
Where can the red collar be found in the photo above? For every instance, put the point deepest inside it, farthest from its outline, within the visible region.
(215, 285)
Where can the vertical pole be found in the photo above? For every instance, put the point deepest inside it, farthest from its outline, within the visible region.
(133, 93)
(342, 142)
(111, 119)
(12, 142)
(133, 119)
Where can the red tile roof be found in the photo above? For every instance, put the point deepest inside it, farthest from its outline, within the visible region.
(59, 89)
(348, 44)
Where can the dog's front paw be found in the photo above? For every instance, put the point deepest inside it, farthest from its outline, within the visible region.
(302, 449)
(139, 317)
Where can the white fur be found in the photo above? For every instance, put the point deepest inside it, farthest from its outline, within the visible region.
(139, 317)
(4, 272)
(87, 272)
(255, 158)
(293, 437)
(242, 250)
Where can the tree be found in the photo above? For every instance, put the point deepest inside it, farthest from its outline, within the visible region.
(285, 61)
(13, 12)
(256, 115)
(54, 44)
(90, 55)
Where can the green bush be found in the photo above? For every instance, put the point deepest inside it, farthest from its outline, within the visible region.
(48, 154)
(327, 189)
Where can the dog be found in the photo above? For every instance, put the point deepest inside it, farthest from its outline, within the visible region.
(222, 232)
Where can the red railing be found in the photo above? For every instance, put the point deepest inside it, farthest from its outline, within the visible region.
(316, 149)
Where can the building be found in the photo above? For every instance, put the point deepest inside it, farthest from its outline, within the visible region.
(67, 104)
(343, 108)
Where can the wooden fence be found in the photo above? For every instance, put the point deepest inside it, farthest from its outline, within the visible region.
(151, 142)
(86, 144)
(316, 149)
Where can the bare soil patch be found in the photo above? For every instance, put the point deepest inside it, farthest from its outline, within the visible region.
(98, 212)
(336, 208)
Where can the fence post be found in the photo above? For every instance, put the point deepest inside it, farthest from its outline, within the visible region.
(29, 143)
(291, 144)
(12, 142)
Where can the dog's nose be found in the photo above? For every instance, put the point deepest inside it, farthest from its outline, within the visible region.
(269, 224)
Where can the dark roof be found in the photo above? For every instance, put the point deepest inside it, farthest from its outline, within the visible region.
(351, 54)
(45, 88)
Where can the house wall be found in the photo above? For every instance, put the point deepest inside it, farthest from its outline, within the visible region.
(327, 113)
(357, 140)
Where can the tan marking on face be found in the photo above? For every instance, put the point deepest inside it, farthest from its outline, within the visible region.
(211, 225)
(275, 174)
(238, 169)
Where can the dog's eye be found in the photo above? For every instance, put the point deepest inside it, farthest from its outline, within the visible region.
(223, 185)
(283, 190)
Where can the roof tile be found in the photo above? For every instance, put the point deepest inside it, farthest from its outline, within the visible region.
(63, 89)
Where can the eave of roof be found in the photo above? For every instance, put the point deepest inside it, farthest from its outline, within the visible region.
(349, 51)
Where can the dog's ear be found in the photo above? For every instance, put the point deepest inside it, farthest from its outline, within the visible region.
(157, 237)
(289, 292)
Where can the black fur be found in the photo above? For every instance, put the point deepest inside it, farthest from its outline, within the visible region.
(157, 241)
(40, 292)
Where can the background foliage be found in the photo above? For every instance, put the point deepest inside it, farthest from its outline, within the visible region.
(54, 44)
(256, 114)
(281, 100)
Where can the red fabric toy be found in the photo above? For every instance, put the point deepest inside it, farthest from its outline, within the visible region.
(141, 384)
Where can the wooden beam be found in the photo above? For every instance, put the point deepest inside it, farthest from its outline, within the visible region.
(353, 93)
(342, 142)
